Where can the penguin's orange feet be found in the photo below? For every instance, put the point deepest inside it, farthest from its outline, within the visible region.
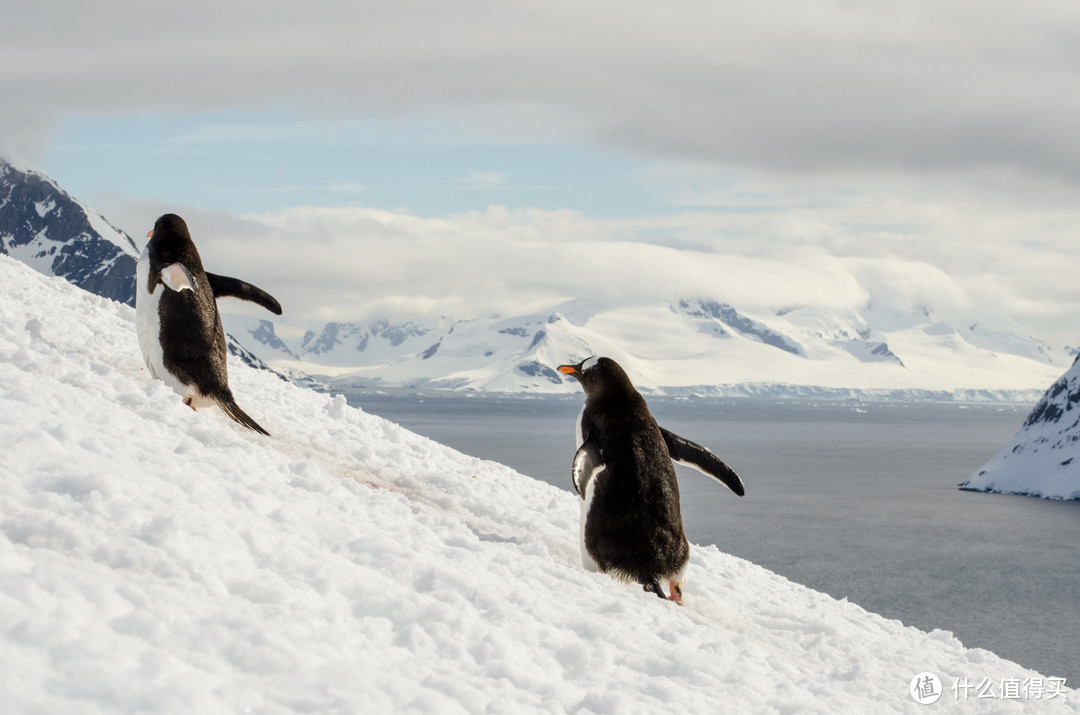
(675, 591)
(187, 401)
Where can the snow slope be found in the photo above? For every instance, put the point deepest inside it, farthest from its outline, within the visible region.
(157, 559)
(1043, 457)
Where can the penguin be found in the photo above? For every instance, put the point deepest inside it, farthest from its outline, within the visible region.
(631, 522)
(177, 320)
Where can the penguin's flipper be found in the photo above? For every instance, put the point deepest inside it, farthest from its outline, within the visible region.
(228, 406)
(588, 462)
(694, 455)
(177, 277)
(226, 287)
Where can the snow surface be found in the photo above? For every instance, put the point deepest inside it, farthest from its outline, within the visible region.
(1043, 457)
(158, 559)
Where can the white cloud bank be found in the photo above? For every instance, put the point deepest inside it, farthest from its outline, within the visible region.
(350, 263)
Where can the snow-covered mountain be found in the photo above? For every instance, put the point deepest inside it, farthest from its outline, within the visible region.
(1043, 457)
(689, 346)
(692, 346)
(156, 559)
(44, 227)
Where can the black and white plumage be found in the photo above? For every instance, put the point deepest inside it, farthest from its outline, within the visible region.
(177, 320)
(631, 522)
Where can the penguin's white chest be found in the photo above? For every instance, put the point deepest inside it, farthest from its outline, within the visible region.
(586, 503)
(148, 325)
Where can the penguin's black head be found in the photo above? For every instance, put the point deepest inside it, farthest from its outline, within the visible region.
(171, 242)
(598, 375)
(170, 239)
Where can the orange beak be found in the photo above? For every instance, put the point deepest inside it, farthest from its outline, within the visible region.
(150, 233)
(567, 369)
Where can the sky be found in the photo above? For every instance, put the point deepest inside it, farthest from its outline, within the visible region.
(361, 158)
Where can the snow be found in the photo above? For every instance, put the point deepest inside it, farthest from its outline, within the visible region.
(158, 559)
(44, 207)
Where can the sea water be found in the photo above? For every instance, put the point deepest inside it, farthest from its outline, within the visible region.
(858, 500)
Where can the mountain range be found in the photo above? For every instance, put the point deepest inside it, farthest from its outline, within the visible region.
(693, 345)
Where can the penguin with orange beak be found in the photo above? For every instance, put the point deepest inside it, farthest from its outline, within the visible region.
(631, 521)
(177, 320)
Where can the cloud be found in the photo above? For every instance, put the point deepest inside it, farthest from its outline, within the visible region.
(481, 180)
(348, 187)
(352, 263)
(817, 150)
(807, 86)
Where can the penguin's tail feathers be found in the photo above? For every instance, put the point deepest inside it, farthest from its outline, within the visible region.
(228, 405)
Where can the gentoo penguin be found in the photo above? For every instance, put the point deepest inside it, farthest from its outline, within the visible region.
(177, 319)
(631, 524)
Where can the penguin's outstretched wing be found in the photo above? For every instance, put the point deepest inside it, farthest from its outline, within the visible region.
(588, 462)
(694, 455)
(226, 287)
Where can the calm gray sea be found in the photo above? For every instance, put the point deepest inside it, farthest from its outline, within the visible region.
(857, 500)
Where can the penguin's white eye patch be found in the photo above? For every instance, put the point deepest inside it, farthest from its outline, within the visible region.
(177, 277)
(589, 364)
